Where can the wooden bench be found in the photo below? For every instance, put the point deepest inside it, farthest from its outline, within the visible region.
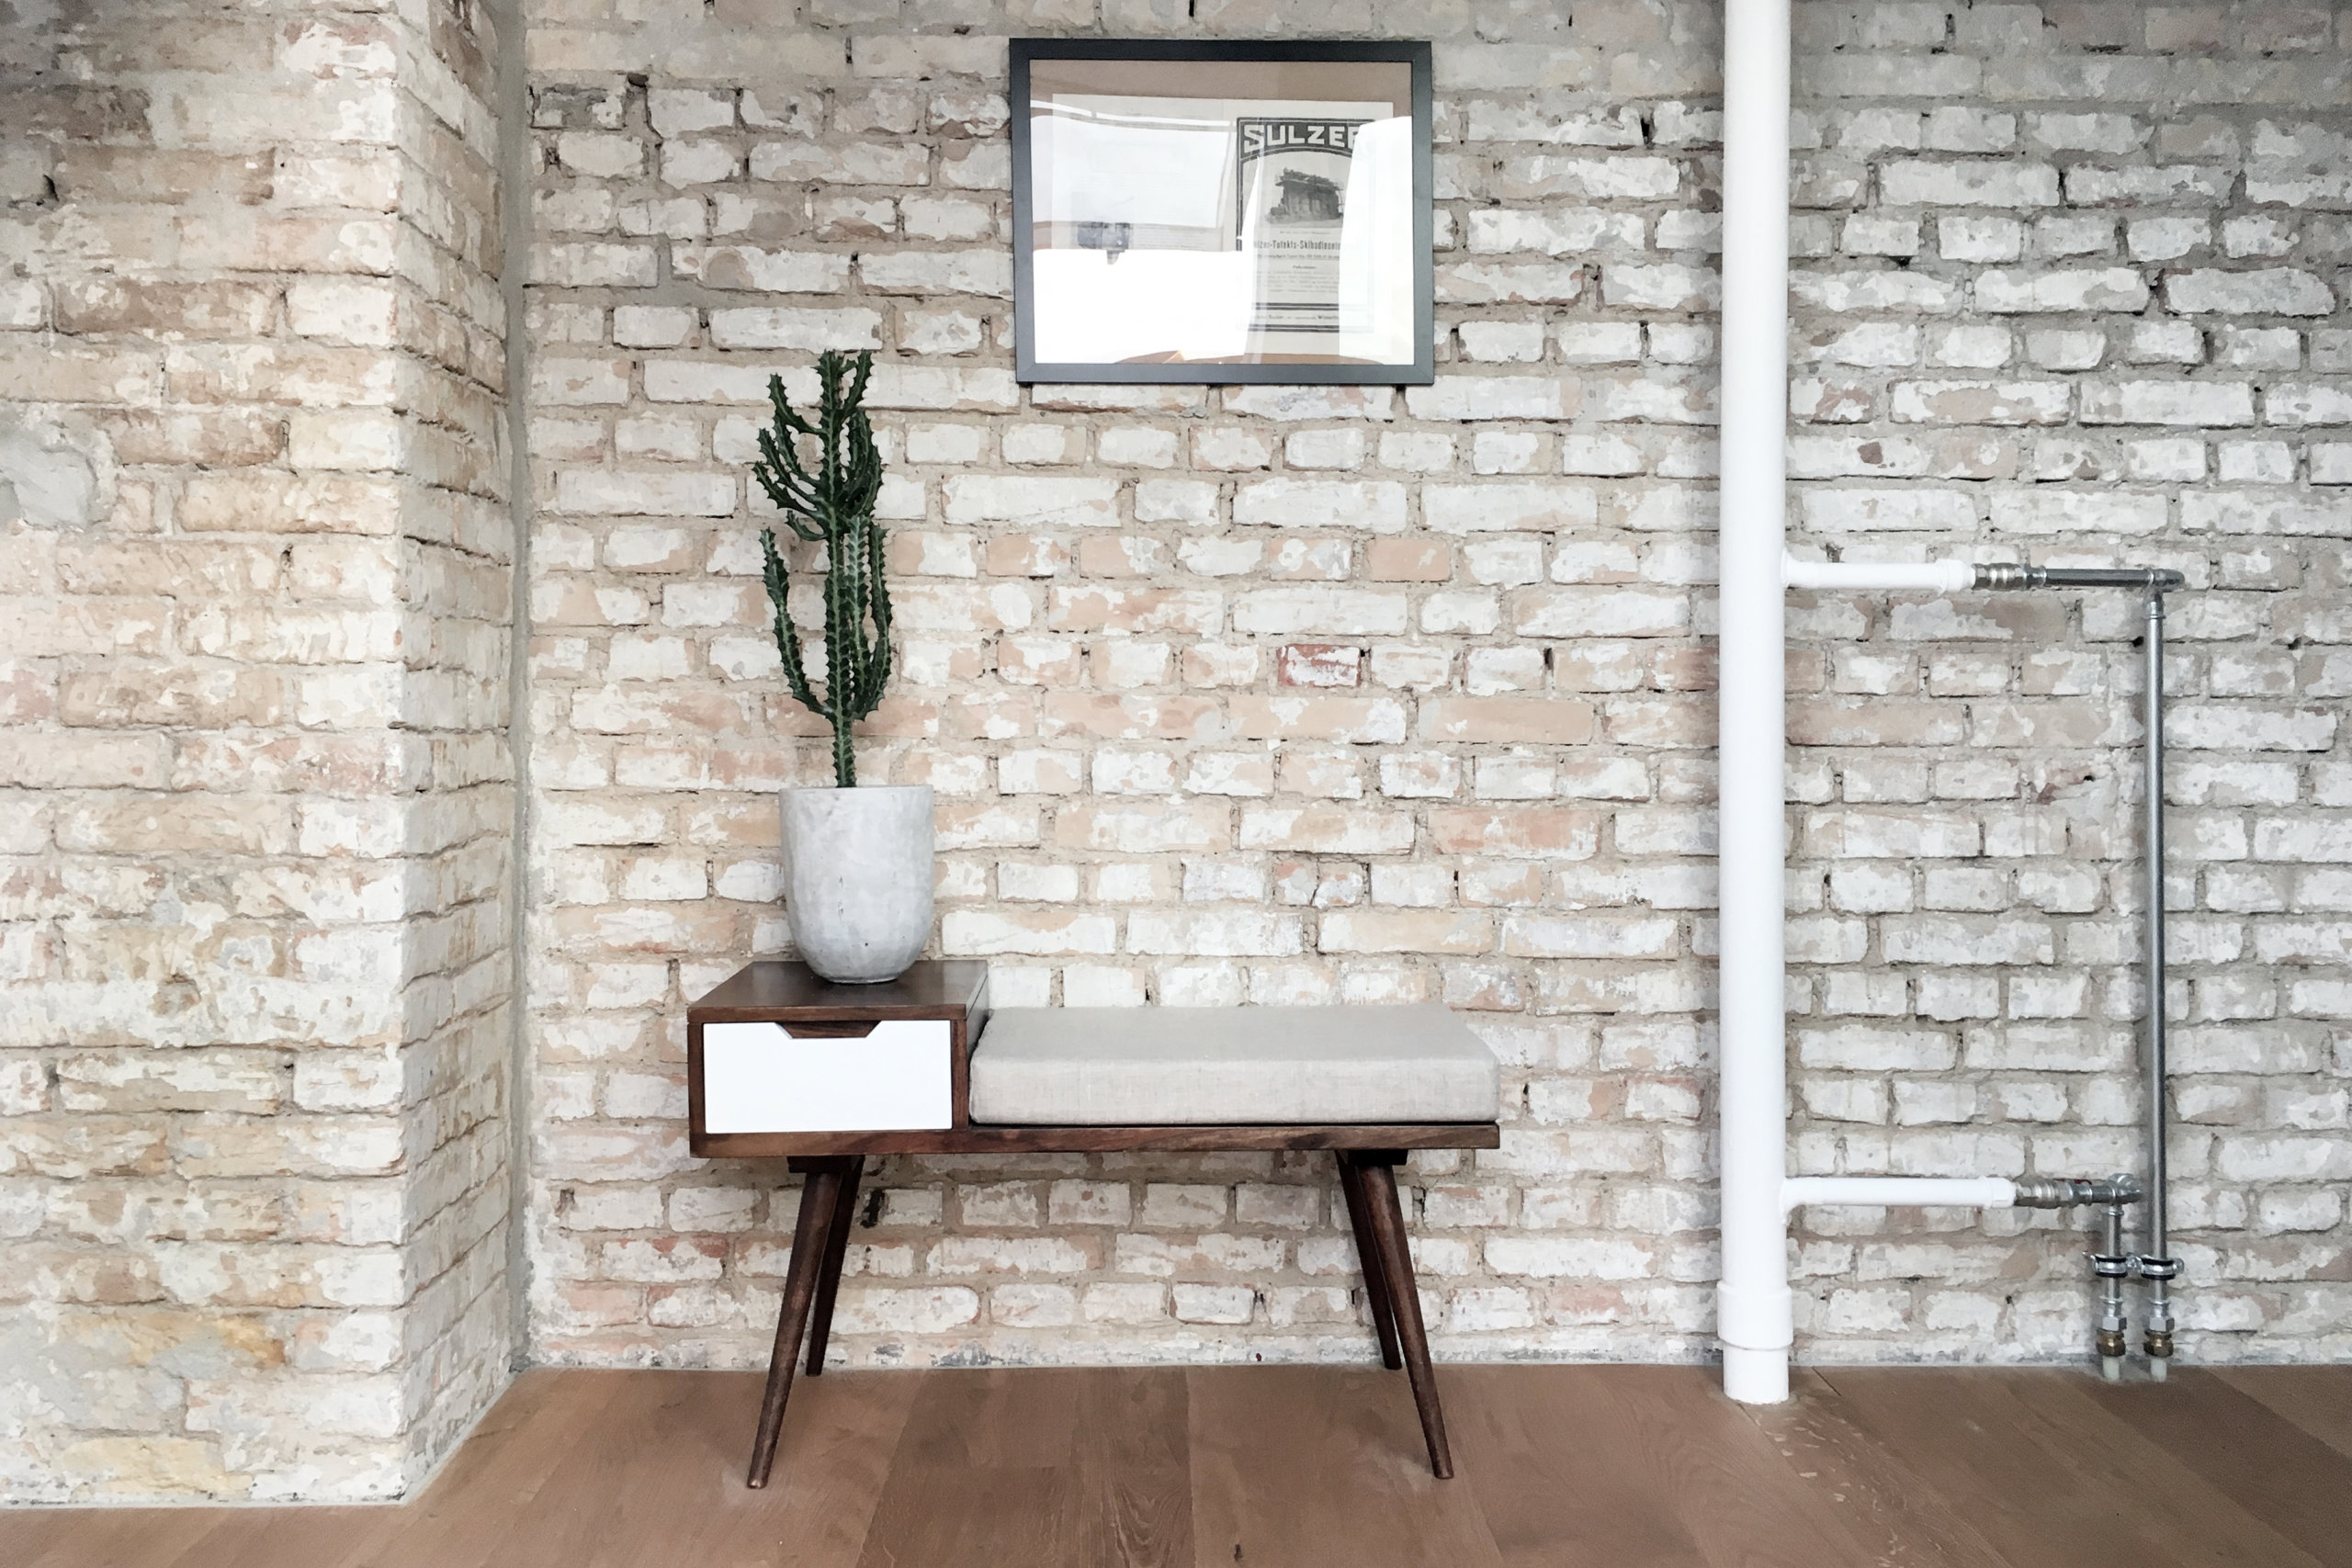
(769, 1076)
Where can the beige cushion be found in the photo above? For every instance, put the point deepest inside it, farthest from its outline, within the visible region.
(1218, 1066)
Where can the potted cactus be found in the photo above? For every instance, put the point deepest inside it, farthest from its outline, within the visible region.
(857, 860)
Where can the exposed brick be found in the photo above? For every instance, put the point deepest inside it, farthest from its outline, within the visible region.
(2039, 266)
(256, 339)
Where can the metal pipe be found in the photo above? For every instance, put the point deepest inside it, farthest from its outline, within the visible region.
(1753, 1318)
(2013, 574)
(2075, 1192)
(2156, 1264)
(2112, 1265)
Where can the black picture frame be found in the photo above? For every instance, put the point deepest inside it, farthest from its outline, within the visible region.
(1029, 370)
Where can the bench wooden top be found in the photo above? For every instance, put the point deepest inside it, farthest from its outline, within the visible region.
(773, 991)
(956, 991)
(981, 1139)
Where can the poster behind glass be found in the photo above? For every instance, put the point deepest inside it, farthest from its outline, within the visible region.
(1216, 220)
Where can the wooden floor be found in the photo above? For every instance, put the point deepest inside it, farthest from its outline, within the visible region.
(1611, 1467)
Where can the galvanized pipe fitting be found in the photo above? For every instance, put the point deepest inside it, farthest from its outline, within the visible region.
(2016, 574)
(2112, 1266)
(2077, 1191)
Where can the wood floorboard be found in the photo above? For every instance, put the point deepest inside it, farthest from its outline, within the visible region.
(1319, 1467)
(1554, 1485)
(983, 1474)
(1646, 1467)
(28, 1530)
(672, 1479)
(1738, 1496)
(559, 1514)
(1135, 1463)
(2202, 1523)
(1305, 1467)
(1968, 1447)
(2292, 1482)
(2048, 1478)
(841, 1433)
(2317, 1399)
(499, 1476)
(1894, 1515)
(317, 1538)
(133, 1538)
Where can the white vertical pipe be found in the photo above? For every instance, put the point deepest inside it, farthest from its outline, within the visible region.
(1752, 1305)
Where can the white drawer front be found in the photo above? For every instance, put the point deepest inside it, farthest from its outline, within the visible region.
(758, 1079)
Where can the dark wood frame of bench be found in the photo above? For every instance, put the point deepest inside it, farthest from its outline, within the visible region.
(834, 1163)
(1367, 1156)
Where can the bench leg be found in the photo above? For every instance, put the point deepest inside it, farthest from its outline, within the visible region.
(829, 1284)
(1375, 1281)
(1405, 1299)
(818, 1199)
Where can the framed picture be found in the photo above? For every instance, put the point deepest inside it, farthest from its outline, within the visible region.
(1221, 212)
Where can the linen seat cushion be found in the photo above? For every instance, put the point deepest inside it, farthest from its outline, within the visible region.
(1228, 1067)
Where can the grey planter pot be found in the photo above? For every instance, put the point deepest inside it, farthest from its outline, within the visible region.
(857, 879)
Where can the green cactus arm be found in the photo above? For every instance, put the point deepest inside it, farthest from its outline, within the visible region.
(787, 485)
(878, 661)
(786, 415)
(842, 629)
(857, 590)
(866, 468)
(841, 633)
(829, 423)
(780, 472)
(788, 635)
(794, 493)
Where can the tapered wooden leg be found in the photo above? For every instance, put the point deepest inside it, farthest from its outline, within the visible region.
(1405, 1299)
(817, 1198)
(829, 1284)
(1375, 1281)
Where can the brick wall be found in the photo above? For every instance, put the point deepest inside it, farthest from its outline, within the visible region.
(1271, 694)
(253, 785)
(459, 970)
(1277, 695)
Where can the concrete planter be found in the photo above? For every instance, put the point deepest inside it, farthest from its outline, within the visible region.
(857, 879)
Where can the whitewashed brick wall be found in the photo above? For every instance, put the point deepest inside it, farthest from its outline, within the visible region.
(1284, 694)
(254, 789)
(1229, 695)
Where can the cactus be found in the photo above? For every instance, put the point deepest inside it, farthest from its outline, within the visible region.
(832, 506)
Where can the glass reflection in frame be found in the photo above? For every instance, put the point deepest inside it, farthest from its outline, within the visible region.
(1227, 212)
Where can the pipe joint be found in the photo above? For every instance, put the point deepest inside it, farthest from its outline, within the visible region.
(2017, 574)
(2076, 1191)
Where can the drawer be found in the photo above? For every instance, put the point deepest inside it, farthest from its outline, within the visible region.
(756, 1078)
